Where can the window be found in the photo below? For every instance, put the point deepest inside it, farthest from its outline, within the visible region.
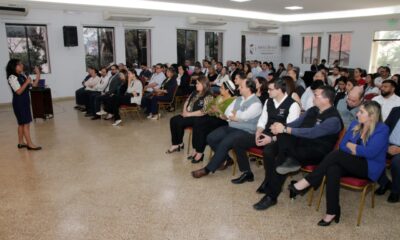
(386, 51)
(213, 47)
(339, 48)
(311, 49)
(187, 45)
(137, 50)
(29, 44)
(99, 46)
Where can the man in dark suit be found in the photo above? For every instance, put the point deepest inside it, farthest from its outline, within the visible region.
(234, 71)
(394, 152)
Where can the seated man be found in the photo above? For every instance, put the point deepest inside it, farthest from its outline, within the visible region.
(388, 99)
(278, 108)
(97, 90)
(242, 116)
(156, 80)
(393, 121)
(305, 141)
(348, 106)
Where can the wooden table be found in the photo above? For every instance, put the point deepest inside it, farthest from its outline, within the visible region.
(42, 104)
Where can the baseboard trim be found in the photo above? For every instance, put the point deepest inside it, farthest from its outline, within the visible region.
(59, 99)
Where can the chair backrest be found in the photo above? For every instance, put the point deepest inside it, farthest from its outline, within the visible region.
(370, 96)
(341, 135)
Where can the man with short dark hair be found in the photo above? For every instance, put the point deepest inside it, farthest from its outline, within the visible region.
(145, 74)
(388, 99)
(112, 87)
(303, 142)
(233, 71)
(384, 74)
(278, 108)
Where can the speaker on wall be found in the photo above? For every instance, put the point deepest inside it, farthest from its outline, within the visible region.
(285, 40)
(70, 36)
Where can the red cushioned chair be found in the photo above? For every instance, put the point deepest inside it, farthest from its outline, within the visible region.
(357, 184)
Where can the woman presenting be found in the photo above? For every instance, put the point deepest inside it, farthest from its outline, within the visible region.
(20, 84)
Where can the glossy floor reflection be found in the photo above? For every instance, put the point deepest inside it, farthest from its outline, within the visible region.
(95, 181)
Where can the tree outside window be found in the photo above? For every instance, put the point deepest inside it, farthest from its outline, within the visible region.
(99, 46)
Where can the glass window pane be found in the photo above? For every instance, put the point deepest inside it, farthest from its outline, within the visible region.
(38, 54)
(17, 43)
(186, 45)
(386, 53)
(213, 46)
(135, 46)
(345, 49)
(306, 49)
(334, 47)
(393, 35)
(316, 43)
(106, 47)
(90, 41)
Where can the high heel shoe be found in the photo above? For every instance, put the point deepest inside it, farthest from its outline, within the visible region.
(322, 223)
(294, 192)
(178, 149)
(200, 160)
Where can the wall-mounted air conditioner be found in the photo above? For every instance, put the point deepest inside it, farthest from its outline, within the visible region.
(14, 10)
(205, 21)
(125, 17)
(259, 26)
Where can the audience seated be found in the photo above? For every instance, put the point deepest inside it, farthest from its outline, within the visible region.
(88, 85)
(308, 96)
(305, 141)
(212, 74)
(349, 106)
(247, 71)
(291, 89)
(369, 87)
(264, 70)
(242, 116)
(393, 121)
(281, 71)
(233, 70)
(164, 93)
(193, 110)
(387, 99)
(155, 81)
(314, 65)
(360, 81)
(384, 74)
(280, 107)
(262, 89)
(145, 74)
(183, 81)
(221, 78)
(396, 78)
(361, 154)
(240, 77)
(335, 75)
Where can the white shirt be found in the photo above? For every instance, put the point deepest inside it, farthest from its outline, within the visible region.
(294, 112)
(387, 104)
(178, 79)
(251, 112)
(307, 99)
(370, 90)
(102, 84)
(13, 81)
(332, 79)
(157, 78)
(378, 81)
(220, 79)
(91, 83)
(135, 86)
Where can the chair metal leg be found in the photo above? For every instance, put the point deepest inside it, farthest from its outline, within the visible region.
(362, 202)
(373, 195)
(321, 192)
(234, 158)
(189, 141)
(310, 197)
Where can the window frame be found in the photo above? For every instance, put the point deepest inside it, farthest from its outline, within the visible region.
(311, 48)
(212, 50)
(373, 65)
(340, 47)
(98, 42)
(186, 41)
(30, 67)
(148, 44)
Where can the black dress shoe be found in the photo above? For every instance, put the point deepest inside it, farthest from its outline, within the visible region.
(34, 148)
(393, 198)
(264, 203)
(197, 161)
(262, 188)
(96, 117)
(22, 146)
(245, 177)
(294, 192)
(322, 223)
(382, 189)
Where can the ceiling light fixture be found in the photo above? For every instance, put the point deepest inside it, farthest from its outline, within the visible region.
(240, 1)
(293, 8)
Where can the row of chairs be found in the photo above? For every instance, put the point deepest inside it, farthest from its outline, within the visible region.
(352, 183)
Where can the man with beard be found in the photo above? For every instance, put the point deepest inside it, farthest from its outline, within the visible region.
(388, 100)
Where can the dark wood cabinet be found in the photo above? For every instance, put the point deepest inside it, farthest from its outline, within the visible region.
(42, 104)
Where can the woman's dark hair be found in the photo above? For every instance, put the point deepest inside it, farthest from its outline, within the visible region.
(264, 84)
(203, 80)
(125, 73)
(281, 65)
(353, 81)
(185, 68)
(135, 73)
(226, 70)
(171, 70)
(372, 82)
(11, 66)
(316, 84)
(248, 69)
(251, 85)
(289, 85)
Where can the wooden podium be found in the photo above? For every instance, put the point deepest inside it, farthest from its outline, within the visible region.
(42, 104)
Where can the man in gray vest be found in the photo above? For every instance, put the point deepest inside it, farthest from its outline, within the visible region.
(278, 108)
(242, 115)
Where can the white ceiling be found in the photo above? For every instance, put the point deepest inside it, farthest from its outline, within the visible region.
(278, 6)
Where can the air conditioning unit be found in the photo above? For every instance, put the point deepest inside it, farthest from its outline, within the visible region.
(205, 21)
(13, 10)
(262, 26)
(125, 17)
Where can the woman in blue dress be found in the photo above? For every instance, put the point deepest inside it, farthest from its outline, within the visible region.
(19, 84)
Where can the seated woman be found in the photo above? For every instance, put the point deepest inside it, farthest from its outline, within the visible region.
(214, 119)
(120, 91)
(340, 91)
(362, 154)
(222, 77)
(194, 108)
(183, 81)
(212, 74)
(291, 88)
(262, 89)
(132, 96)
(369, 87)
(163, 94)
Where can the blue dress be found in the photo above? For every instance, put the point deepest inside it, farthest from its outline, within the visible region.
(22, 104)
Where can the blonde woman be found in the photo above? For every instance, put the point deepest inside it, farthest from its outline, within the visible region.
(361, 154)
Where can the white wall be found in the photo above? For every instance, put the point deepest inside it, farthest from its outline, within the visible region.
(68, 64)
(362, 35)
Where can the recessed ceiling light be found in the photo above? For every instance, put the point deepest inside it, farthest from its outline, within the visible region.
(294, 8)
(240, 0)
